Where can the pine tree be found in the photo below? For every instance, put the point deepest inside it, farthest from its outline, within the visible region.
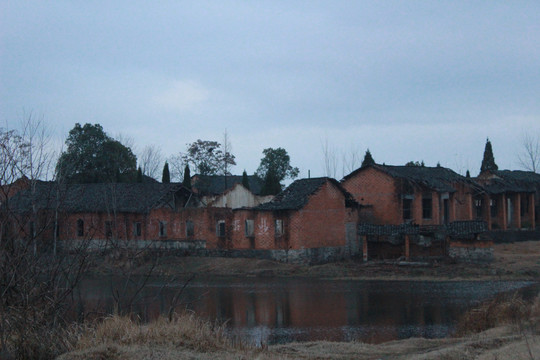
(271, 184)
(488, 162)
(245, 180)
(166, 177)
(139, 175)
(187, 177)
(368, 159)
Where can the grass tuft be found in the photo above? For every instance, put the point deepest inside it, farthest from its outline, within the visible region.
(184, 330)
(503, 310)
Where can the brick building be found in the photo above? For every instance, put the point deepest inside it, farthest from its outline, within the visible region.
(412, 194)
(310, 213)
(510, 200)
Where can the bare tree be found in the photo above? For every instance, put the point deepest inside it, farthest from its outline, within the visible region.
(330, 159)
(529, 158)
(352, 159)
(35, 285)
(228, 157)
(176, 167)
(151, 161)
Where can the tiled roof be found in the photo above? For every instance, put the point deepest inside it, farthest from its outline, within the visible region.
(512, 181)
(370, 229)
(101, 197)
(296, 195)
(456, 229)
(436, 178)
(218, 184)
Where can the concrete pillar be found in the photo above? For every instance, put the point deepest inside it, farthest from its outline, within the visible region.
(516, 214)
(532, 210)
(364, 248)
(503, 212)
(452, 208)
(486, 210)
(407, 248)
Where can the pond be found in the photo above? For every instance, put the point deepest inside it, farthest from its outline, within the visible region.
(276, 310)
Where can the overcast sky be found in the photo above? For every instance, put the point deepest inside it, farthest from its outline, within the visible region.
(410, 80)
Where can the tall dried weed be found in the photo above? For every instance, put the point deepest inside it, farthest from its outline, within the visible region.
(185, 330)
(503, 310)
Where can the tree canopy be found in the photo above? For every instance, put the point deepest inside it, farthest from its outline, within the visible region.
(368, 159)
(92, 156)
(416, 163)
(488, 162)
(207, 158)
(275, 166)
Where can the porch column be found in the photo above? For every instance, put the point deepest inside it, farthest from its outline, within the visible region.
(516, 213)
(364, 248)
(503, 212)
(407, 247)
(532, 210)
(486, 210)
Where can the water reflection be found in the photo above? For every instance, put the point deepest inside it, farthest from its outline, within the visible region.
(283, 310)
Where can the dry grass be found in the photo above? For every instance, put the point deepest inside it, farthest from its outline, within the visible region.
(503, 310)
(184, 330)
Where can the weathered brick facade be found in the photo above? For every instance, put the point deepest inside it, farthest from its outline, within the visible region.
(395, 198)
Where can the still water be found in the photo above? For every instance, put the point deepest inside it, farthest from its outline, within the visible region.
(284, 310)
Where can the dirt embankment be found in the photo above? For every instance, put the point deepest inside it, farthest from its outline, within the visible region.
(515, 261)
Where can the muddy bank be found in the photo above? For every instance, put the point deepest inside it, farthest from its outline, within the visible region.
(515, 261)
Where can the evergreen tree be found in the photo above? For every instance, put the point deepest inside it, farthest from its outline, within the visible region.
(368, 159)
(468, 174)
(488, 162)
(187, 177)
(271, 184)
(245, 180)
(139, 175)
(166, 177)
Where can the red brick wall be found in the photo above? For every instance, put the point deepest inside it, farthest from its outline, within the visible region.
(264, 230)
(384, 193)
(321, 222)
(373, 187)
(463, 202)
(204, 220)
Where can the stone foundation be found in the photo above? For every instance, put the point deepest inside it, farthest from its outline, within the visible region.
(471, 253)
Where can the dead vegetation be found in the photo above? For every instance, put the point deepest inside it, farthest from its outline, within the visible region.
(122, 337)
(505, 309)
